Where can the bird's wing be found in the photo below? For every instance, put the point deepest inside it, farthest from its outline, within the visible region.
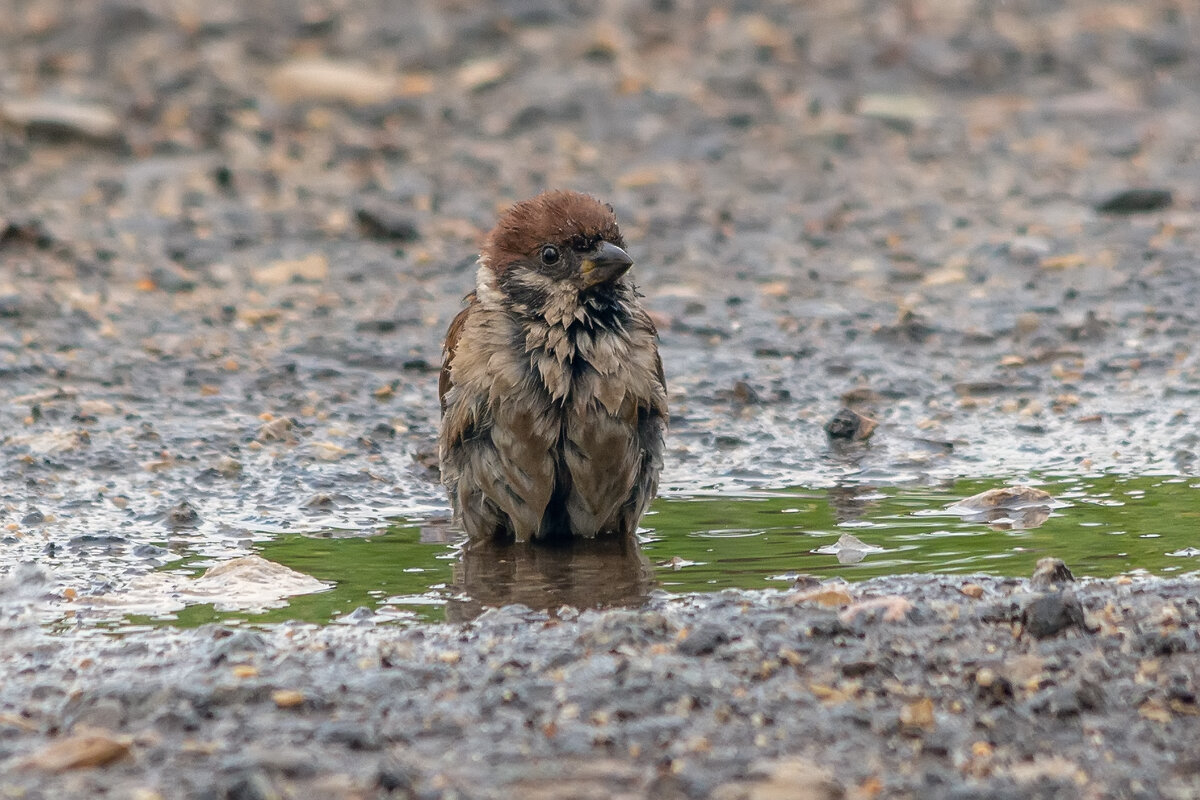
(658, 403)
(497, 437)
(657, 399)
(452, 334)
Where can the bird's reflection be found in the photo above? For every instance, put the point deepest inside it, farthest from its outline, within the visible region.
(600, 573)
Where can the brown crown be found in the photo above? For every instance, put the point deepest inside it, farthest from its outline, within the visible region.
(558, 217)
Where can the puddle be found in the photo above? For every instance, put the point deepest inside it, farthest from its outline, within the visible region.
(1101, 526)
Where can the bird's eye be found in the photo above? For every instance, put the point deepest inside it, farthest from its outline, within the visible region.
(550, 255)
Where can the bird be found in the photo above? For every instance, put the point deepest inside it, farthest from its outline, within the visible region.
(553, 397)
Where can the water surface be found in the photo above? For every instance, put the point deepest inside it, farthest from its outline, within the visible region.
(1101, 526)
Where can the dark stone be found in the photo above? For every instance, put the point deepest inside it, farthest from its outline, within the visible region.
(184, 248)
(96, 540)
(1051, 614)
(1164, 48)
(666, 786)
(983, 388)
(998, 692)
(179, 716)
(850, 425)
(1166, 643)
(830, 625)
(223, 177)
(376, 326)
(383, 220)
(396, 779)
(911, 328)
(249, 785)
(538, 114)
(745, 394)
(1057, 701)
(939, 742)
(174, 279)
(238, 643)
(1135, 201)
(183, 515)
(991, 790)
(857, 669)
(321, 501)
(288, 762)
(805, 581)
(354, 735)
(705, 638)
(26, 231)
(1069, 700)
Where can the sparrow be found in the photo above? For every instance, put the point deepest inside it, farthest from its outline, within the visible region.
(554, 404)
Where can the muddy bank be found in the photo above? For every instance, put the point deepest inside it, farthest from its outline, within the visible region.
(901, 687)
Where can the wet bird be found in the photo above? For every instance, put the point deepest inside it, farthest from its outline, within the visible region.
(554, 404)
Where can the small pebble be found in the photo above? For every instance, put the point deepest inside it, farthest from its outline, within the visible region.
(1135, 201)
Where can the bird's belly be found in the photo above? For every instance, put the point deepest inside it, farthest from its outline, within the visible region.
(600, 458)
(561, 453)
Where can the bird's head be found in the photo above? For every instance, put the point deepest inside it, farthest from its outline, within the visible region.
(556, 249)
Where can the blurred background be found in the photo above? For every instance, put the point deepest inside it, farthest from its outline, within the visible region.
(184, 143)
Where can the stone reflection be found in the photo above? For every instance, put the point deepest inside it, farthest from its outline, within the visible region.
(1011, 519)
(602, 573)
(852, 502)
(1008, 508)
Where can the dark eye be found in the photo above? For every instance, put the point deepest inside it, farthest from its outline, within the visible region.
(549, 255)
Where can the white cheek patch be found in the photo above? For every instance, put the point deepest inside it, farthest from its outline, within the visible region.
(533, 279)
(486, 290)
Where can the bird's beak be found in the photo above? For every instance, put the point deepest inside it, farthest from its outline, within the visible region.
(603, 264)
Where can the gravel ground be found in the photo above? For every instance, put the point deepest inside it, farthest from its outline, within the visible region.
(232, 234)
(980, 688)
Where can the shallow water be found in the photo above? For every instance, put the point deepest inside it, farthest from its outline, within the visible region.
(1100, 525)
